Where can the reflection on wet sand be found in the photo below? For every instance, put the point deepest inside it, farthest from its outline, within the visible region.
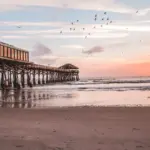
(28, 98)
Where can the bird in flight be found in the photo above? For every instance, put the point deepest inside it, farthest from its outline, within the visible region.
(105, 13)
(18, 26)
(60, 32)
(77, 20)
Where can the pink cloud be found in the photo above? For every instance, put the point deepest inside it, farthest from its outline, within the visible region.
(96, 49)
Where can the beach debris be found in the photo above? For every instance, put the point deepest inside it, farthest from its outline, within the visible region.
(22, 137)
(100, 143)
(18, 146)
(139, 146)
(37, 122)
(135, 129)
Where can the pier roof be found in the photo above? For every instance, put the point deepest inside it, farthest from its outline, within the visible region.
(68, 66)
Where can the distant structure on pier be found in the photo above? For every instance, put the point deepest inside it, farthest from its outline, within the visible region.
(68, 66)
(17, 71)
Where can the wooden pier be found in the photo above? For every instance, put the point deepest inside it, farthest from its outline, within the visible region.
(16, 71)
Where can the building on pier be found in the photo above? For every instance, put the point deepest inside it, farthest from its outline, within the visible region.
(17, 71)
(13, 53)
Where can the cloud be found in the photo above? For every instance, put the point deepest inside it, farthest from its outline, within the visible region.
(96, 49)
(143, 12)
(142, 28)
(104, 5)
(10, 7)
(40, 50)
(72, 46)
(66, 36)
(14, 37)
(16, 23)
(94, 36)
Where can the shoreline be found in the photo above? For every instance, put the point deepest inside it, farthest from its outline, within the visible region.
(75, 128)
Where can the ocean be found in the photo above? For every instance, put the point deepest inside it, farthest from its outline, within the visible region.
(127, 92)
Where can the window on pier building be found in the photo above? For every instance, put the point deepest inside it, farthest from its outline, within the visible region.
(27, 57)
(12, 53)
(8, 52)
(1, 50)
(15, 54)
(18, 55)
(5, 51)
(21, 54)
(24, 56)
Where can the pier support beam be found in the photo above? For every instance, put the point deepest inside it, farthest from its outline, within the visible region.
(23, 78)
(34, 75)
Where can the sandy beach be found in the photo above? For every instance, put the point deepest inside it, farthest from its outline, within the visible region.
(77, 128)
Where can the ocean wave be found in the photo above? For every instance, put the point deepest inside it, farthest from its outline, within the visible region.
(98, 88)
(102, 81)
(121, 89)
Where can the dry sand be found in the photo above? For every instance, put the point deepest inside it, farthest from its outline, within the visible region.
(75, 129)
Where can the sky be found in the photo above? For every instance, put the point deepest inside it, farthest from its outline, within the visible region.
(55, 32)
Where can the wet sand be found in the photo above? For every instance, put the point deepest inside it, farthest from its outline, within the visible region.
(75, 129)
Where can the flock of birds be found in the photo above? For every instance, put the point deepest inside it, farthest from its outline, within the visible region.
(105, 18)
